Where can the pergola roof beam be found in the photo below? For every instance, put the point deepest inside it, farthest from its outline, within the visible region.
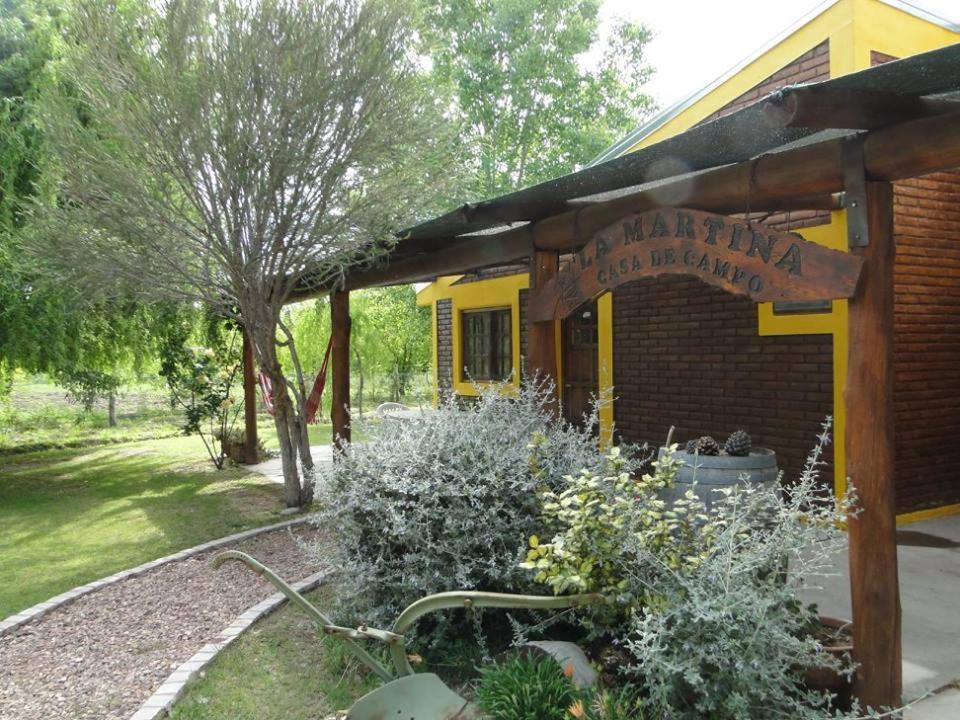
(768, 183)
(817, 107)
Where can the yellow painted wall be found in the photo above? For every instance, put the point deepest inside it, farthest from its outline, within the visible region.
(853, 28)
(496, 293)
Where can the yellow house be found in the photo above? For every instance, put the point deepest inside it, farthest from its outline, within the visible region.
(677, 352)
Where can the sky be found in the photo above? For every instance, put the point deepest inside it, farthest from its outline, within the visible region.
(698, 40)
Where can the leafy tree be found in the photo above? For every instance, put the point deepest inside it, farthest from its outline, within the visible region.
(29, 45)
(397, 334)
(530, 105)
(27, 49)
(233, 151)
(88, 341)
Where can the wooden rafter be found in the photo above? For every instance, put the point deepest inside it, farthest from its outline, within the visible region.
(821, 108)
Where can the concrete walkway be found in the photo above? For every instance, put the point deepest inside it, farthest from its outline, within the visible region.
(929, 563)
(272, 469)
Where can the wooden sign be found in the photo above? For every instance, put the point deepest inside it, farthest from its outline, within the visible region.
(740, 257)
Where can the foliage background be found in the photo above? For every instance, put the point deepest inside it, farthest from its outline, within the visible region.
(535, 90)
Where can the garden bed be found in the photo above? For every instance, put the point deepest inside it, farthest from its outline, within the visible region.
(102, 655)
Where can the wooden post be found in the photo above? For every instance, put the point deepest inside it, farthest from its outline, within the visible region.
(340, 363)
(249, 402)
(874, 580)
(541, 336)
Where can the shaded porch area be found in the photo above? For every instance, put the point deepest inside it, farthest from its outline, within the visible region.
(929, 558)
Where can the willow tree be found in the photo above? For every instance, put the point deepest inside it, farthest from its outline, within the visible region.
(87, 342)
(233, 151)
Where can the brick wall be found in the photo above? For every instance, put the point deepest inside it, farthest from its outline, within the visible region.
(879, 58)
(689, 355)
(926, 337)
(812, 66)
(444, 332)
(927, 340)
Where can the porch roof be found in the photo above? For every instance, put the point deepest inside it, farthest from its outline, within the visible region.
(821, 115)
(875, 97)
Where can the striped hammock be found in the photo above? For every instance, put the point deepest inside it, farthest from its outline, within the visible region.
(316, 393)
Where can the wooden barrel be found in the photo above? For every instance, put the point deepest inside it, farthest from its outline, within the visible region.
(706, 473)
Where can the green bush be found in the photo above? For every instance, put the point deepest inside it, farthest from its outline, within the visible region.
(707, 600)
(527, 687)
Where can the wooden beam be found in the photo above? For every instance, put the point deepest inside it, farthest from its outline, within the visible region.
(249, 402)
(932, 145)
(915, 148)
(459, 255)
(874, 580)
(817, 107)
(542, 340)
(769, 182)
(466, 253)
(340, 365)
(828, 201)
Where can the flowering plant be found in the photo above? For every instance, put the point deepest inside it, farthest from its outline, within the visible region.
(202, 382)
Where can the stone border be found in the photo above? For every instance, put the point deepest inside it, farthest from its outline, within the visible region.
(158, 705)
(39, 610)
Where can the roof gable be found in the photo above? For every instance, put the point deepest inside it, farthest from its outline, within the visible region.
(847, 27)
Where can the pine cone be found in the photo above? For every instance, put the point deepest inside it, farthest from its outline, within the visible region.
(691, 446)
(706, 445)
(738, 444)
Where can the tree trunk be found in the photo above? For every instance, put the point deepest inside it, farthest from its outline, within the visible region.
(299, 431)
(288, 448)
(306, 461)
(283, 416)
(112, 409)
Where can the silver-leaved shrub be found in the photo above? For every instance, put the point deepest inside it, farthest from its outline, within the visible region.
(729, 638)
(444, 502)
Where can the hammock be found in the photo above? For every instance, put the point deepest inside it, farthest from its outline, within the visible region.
(316, 393)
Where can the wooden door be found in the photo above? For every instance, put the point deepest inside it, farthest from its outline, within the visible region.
(580, 362)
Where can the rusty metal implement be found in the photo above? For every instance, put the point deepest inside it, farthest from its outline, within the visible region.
(407, 694)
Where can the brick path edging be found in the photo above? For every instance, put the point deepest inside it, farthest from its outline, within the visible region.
(40, 609)
(158, 705)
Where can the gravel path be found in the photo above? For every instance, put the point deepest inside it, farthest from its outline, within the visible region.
(101, 656)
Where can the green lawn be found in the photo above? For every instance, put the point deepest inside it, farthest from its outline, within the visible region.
(281, 669)
(38, 415)
(71, 516)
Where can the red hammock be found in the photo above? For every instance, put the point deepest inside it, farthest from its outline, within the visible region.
(316, 393)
